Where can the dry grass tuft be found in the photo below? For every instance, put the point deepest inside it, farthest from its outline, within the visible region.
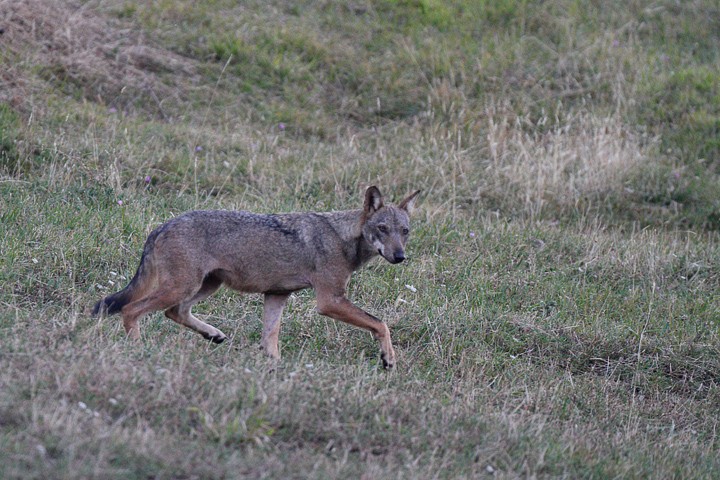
(561, 168)
(86, 54)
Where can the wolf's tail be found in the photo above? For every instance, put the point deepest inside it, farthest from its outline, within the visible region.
(114, 303)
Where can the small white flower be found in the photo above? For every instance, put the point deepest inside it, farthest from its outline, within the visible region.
(411, 288)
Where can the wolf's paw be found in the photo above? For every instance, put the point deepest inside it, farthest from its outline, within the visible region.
(217, 338)
(388, 363)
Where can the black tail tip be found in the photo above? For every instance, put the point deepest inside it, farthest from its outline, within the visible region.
(98, 308)
(110, 305)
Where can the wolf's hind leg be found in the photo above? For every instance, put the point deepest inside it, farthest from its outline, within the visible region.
(133, 311)
(180, 313)
(272, 311)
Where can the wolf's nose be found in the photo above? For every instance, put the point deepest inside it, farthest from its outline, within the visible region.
(398, 257)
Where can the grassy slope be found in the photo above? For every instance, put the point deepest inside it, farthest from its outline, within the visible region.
(565, 252)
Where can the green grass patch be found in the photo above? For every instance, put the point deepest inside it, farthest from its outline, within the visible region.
(684, 106)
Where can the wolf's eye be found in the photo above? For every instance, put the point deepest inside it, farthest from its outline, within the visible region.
(405, 231)
(383, 228)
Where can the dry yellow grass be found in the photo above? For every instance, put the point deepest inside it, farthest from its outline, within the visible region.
(564, 167)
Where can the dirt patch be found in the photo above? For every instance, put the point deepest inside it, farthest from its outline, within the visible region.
(84, 53)
(689, 369)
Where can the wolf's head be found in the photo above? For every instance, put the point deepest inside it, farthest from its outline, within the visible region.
(386, 227)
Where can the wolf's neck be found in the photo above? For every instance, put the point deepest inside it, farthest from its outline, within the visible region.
(348, 226)
(346, 223)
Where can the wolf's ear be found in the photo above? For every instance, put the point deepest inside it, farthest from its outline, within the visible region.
(409, 203)
(373, 200)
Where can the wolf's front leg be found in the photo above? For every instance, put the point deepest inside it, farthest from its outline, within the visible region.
(340, 308)
(272, 311)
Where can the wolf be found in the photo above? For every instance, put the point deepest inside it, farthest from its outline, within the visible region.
(188, 258)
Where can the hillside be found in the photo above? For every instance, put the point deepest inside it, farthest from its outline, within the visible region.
(558, 315)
